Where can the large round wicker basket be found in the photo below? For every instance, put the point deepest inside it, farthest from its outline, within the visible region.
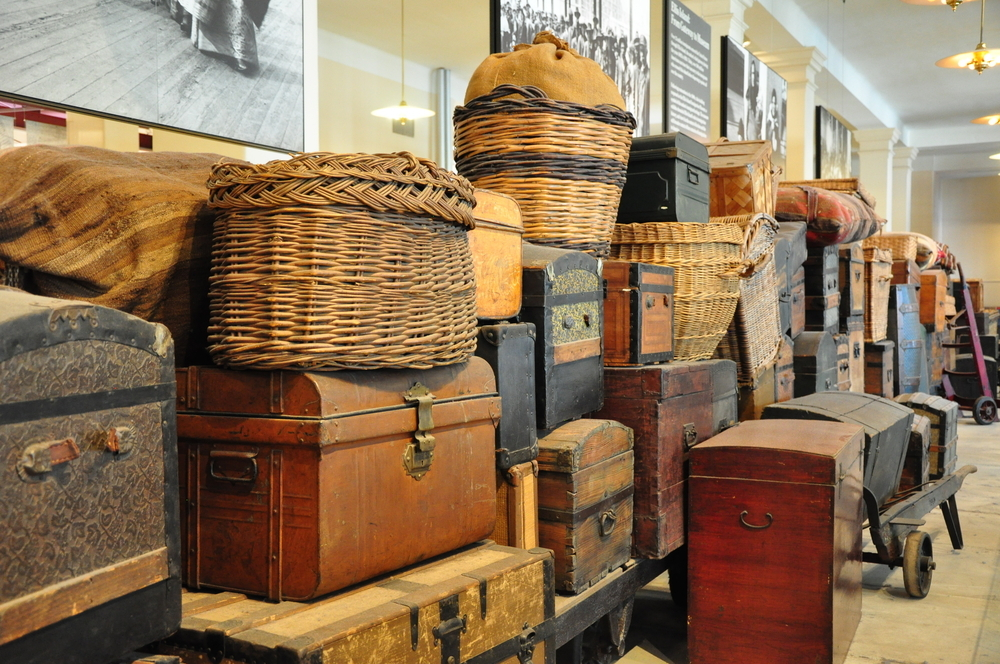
(707, 259)
(341, 261)
(564, 163)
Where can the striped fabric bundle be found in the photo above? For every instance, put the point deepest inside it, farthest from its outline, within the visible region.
(131, 231)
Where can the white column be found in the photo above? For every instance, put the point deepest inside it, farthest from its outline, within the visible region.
(875, 153)
(726, 19)
(902, 190)
(799, 67)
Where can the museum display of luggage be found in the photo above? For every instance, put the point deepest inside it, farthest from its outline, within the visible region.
(91, 547)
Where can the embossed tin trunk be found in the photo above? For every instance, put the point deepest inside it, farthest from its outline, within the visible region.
(564, 299)
(90, 551)
(296, 484)
(907, 332)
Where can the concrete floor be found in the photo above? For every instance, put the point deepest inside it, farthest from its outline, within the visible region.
(957, 623)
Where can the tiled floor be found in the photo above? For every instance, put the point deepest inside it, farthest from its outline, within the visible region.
(957, 623)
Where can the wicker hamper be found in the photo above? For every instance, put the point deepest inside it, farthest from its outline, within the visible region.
(878, 278)
(706, 259)
(754, 337)
(902, 246)
(564, 163)
(341, 261)
(742, 178)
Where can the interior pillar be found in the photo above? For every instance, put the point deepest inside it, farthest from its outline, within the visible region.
(875, 156)
(902, 189)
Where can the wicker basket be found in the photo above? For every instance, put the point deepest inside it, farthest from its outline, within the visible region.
(564, 163)
(845, 185)
(902, 246)
(742, 178)
(878, 278)
(707, 259)
(754, 338)
(341, 261)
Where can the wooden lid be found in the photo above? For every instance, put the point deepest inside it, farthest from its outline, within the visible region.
(581, 444)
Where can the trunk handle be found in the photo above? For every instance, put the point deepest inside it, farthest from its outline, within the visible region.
(234, 454)
(39, 458)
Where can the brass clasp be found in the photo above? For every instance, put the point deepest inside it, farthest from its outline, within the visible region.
(419, 454)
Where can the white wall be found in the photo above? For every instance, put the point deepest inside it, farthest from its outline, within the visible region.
(969, 222)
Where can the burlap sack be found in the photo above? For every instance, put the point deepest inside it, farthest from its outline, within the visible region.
(549, 64)
(131, 231)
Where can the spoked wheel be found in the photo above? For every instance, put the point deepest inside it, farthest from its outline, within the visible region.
(985, 410)
(918, 564)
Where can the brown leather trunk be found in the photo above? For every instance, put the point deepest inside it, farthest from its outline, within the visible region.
(495, 244)
(585, 500)
(296, 484)
(517, 506)
(879, 361)
(933, 291)
(669, 408)
(774, 545)
(638, 313)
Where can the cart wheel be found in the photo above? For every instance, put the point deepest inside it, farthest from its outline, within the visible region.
(918, 564)
(985, 410)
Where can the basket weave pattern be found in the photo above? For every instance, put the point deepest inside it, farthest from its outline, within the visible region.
(564, 163)
(878, 278)
(330, 261)
(742, 178)
(706, 259)
(902, 246)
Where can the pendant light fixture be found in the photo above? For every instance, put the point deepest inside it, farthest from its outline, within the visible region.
(988, 120)
(937, 3)
(978, 60)
(402, 113)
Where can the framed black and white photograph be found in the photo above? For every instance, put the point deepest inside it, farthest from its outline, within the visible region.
(230, 69)
(613, 33)
(833, 146)
(755, 101)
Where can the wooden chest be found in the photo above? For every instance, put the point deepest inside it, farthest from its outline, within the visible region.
(843, 343)
(878, 275)
(880, 368)
(916, 465)
(976, 291)
(823, 313)
(753, 398)
(933, 291)
(823, 271)
(296, 484)
(495, 244)
(564, 300)
(784, 372)
(509, 348)
(638, 313)
(484, 603)
(775, 544)
(887, 431)
(815, 363)
(943, 415)
(905, 273)
(906, 331)
(90, 551)
(669, 408)
(789, 254)
(798, 305)
(667, 180)
(517, 506)
(852, 280)
(585, 500)
(724, 394)
(741, 176)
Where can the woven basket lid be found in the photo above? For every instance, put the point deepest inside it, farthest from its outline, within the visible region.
(397, 182)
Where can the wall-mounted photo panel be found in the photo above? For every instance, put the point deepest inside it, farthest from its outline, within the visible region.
(613, 33)
(755, 100)
(230, 69)
(688, 56)
(833, 146)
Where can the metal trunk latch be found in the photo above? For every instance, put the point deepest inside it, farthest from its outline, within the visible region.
(690, 435)
(526, 645)
(38, 459)
(420, 453)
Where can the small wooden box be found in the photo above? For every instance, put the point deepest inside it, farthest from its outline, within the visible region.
(517, 506)
(933, 291)
(638, 314)
(741, 178)
(495, 244)
(852, 280)
(879, 362)
(905, 273)
(585, 500)
(775, 543)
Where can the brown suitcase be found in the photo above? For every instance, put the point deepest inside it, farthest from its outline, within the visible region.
(669, 408)
(585, 500)
(638, 313)
(495, 244)
(852, 280)
(933, 291)
(784, 372)
(774, 550)
(799, 302)
(879, 362)
(905, 272)
(855, 330)
(485, 603)
(917, 464)
(517, 506)
(296, 484)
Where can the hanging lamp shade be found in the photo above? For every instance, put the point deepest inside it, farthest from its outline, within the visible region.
(980, 59)
(988, 120)
(402, 111)
(938, 3)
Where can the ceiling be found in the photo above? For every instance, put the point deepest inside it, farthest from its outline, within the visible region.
(880, 57)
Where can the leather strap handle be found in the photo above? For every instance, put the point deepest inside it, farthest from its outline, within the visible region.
(40, 458)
